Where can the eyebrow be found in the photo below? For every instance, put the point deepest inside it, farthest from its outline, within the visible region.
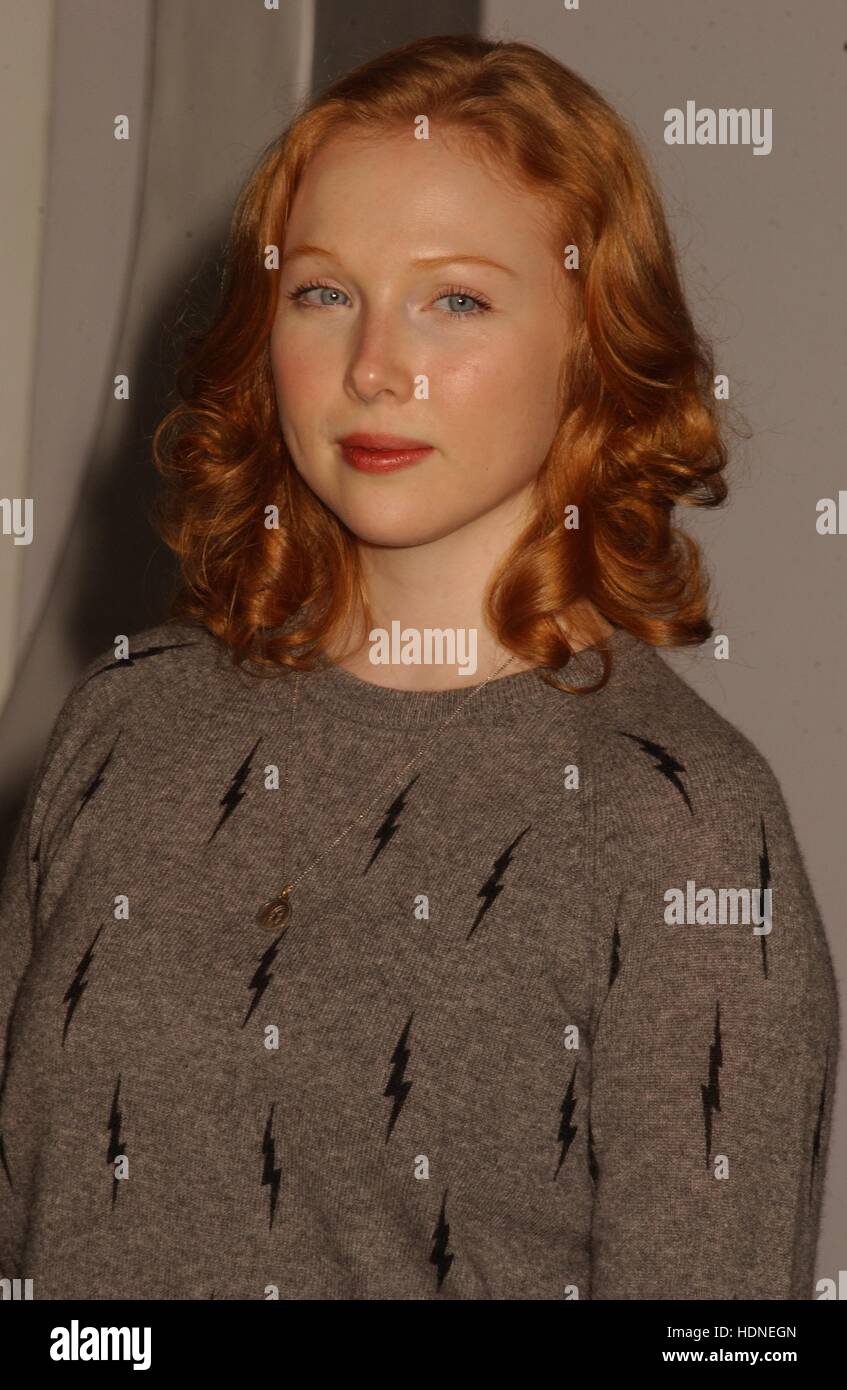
(306, 249)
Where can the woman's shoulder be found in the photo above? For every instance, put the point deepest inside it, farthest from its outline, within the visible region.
(689, 811)
(664, 763)
(140, 682)
(146, 676)
(152, 662)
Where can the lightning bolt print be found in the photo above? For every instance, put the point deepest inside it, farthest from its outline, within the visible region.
(615, 963)
(397, 1088)
(711, 1093)
(816, 1139)
(234, 793)
(492, 887)
(665, 763)
(3, 1159)
(262, 975)
(593, 1166)
(567, 1131)
(270, 1173)
(95, 782)
(440, 1238)
(389, 824)
(36, 860)
(134, 657)
(764, 881)
(78, 984)
(117, 1148)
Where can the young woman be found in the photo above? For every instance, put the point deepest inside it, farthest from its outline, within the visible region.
(392, 922)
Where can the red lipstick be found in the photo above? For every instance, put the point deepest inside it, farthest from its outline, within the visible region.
(382, 453)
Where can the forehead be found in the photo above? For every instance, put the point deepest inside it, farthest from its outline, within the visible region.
(390, 190)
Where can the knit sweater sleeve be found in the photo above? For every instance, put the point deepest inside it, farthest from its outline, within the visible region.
(715, 1041)
(17, 890)
(25, 862)
(84, 727)
(19, 887)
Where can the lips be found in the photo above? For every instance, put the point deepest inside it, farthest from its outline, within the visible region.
(382, 453)
(393, 442)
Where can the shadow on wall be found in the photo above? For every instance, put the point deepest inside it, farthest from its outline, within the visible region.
(114, 575)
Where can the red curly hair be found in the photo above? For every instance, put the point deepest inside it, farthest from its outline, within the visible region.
(638, 432)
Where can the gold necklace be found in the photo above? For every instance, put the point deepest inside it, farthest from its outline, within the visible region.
(277, 911)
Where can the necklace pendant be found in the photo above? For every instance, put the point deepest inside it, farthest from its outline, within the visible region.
(276, 912)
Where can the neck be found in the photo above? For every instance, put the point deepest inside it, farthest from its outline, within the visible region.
(435, 587)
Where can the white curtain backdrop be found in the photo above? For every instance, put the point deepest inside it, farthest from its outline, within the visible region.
(127, 225)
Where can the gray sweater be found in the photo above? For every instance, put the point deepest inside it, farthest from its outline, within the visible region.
(505, 1049)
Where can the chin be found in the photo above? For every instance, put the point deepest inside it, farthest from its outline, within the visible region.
(402, 524)
(400, 531)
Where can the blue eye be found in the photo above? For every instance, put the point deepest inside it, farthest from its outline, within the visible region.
(302, 290)
(457, 293)
(454, 292)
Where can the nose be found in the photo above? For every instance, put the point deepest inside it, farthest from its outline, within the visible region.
(381, 355)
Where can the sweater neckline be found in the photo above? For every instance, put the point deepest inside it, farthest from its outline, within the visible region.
(349, 698)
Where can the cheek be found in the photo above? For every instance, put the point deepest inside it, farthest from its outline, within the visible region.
(297, 375)
(297, 391)
(474, 378)
(503, 404)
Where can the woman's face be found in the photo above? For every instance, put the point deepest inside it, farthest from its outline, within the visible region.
(395, 346)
